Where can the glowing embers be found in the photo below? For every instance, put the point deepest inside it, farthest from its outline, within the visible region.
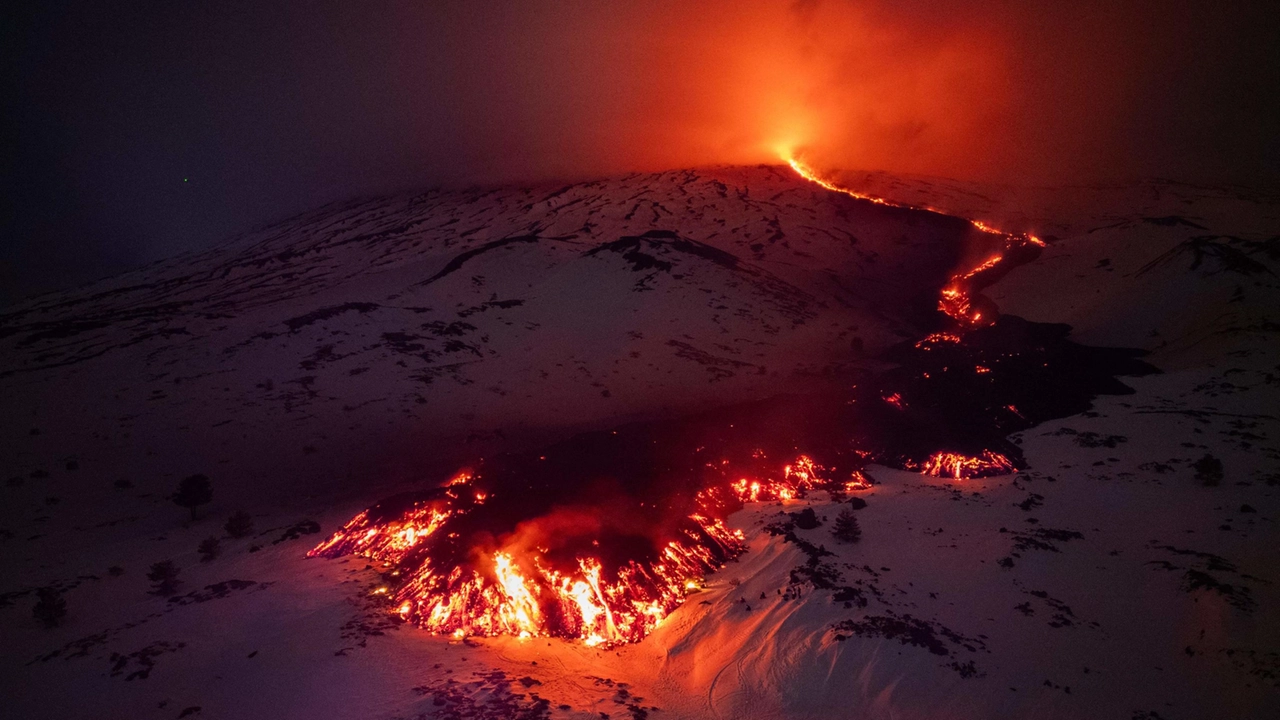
(858, 480)
(958, 466)
(797, 479)
(929, 341)
(388, 542)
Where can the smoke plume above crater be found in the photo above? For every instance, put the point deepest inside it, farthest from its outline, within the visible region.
(154, 129)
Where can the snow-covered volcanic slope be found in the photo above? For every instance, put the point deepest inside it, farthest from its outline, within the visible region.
(451, 316)
(313, 367)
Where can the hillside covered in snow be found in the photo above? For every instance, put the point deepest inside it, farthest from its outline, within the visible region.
(315, 367)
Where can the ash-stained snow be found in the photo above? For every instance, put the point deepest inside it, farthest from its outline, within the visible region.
(315, 366)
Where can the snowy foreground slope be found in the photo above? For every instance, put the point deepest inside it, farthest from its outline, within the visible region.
(314, 367)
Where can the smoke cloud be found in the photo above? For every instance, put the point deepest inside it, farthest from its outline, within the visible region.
(148, 129)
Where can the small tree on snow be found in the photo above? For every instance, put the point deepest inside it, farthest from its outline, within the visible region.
(164, 575)
(239, 524)
(50, 607)
(192, 492)
(846, 528)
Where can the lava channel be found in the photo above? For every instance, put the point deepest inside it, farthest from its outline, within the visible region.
(600, 537)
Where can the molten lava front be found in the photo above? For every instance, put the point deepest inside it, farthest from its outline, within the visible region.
(955, 465)
(600, 537)
(959, 299)
(535, 591)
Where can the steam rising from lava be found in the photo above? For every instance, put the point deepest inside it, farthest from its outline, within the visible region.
(600, 537)
(472, 557)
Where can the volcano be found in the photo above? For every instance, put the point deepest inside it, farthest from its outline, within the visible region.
(591, 577)
(608, 444)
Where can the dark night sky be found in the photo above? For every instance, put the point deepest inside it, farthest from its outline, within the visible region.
(138, 130)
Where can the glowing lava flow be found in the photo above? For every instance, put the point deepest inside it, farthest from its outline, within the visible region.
(522, 592)
(453, 569)
(959, 300)
(959, 297)
(955, 465)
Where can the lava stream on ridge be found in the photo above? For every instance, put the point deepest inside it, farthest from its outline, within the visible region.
(600, 537)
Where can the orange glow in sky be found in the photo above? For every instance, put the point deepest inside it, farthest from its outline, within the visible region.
(647, 86)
